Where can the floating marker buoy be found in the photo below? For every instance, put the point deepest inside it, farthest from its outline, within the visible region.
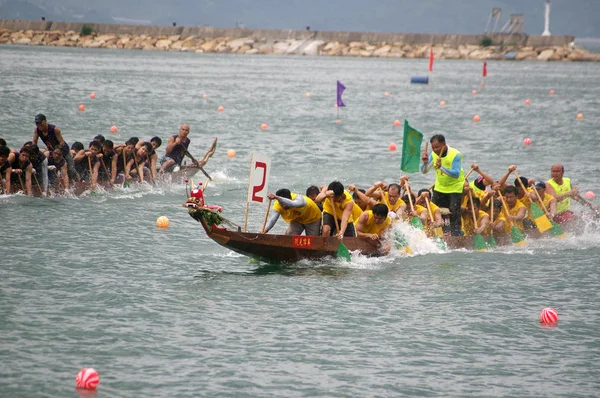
(527, 141)
(264, 126)
(231, 153)
(204, 95)
(579, 116)
(392, 147)
(527, 102)
(87, 378)
(396, 122)
(162, 222)
(442, 103)
(93, 96)
(114, 129)
(548, 315)
(220, 109)
(81, 107)
(589, 195)
(551, 92)
(420, 79)
(307, 95)
(338, 121)
(476, 118)
(474, 92)
(386, 94)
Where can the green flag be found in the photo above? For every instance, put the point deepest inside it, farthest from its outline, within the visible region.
(411, 149)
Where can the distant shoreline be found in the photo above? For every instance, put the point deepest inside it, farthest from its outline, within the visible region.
(294, 42)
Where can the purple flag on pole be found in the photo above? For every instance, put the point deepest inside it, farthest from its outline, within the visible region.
(340, 91)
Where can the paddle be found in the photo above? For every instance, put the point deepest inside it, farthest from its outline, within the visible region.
(515, 235)
(266, 215)
(106, 171)
(37, 182)
(478, 241)
(439, 233)
(399, 238)
(342, 251)
(584, 202)
(125, 182)
(415, 221)
(556, 229)
(491, 240)
(59, 181)
(185, 151)
(541, 219)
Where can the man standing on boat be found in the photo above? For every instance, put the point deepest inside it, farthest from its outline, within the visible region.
(177, 149)
(298, 210)
(560, 187)
(449, 178)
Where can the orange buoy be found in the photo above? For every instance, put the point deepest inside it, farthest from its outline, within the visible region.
(338, 121)
(396, 122)
(474, 92)
(81, 107)
(204, 95)
(579, 116)
(551, 92)
(476, 118)
(264, 126)
(392, 147)
(220, 109)
(307, 95)
(93, 96)
(162, 222)
(114, 129)
(231, 153)
(386, 94)
(527, 102)
(442, 103)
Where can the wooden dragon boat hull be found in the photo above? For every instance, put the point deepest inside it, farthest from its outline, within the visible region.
(275, 249)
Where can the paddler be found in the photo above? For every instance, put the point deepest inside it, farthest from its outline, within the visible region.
(343, 211)
(373, 224)
(302, 214)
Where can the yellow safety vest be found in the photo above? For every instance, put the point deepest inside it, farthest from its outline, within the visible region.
(443, 182)
(564, 204)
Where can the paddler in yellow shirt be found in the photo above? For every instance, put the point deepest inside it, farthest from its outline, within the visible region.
(302, 214)
(343, 211)
(374, 223)
(438, 221)
(483, 218)
(391, 198)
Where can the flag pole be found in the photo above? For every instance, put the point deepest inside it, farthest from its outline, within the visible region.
(247, 201)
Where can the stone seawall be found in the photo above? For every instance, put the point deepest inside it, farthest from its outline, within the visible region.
(300, 42)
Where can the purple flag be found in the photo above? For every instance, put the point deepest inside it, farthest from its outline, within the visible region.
(340, 91)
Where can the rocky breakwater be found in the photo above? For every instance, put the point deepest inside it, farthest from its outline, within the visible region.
(309, 46)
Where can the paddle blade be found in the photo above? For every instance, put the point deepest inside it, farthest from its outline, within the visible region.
(343, 252)
(557, 230)
(416, 222)
(492, 244)
(441, 243)
(517, 236)
(401, 243)
(541, 219)
(479, 243)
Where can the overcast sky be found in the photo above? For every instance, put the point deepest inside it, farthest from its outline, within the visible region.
(580, 18)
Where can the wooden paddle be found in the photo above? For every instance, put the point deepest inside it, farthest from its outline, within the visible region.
(59, 181)
(439, 233)
(106, 171)
(541, 219)
(196, 163)
(584, 202)
(515, 234)
(491, 240)
(125, 182)
(342, 251)
(478, 241)
(556, 229)
(266, 215)
(399, 238)
(37, 182)
(90, 167)
(415, 221)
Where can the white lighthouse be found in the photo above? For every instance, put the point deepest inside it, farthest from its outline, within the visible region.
(547, 20)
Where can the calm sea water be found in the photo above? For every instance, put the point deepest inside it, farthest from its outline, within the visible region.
(91, 281)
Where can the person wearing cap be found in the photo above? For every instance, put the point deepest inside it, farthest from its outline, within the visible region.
(52, 137)
(549, 201)
(449, 180)
(560, 187)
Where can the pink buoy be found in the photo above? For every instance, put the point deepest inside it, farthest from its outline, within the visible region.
(93, 96)
(392, 146)
(396, 122)
(474, 92)
(264, 126)
(527, 141)
(476, 118)
(114, 129)
(548, 315)
(87, 378)
(527, 102)
(442, 103)
(589, 195)
(220, 109)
